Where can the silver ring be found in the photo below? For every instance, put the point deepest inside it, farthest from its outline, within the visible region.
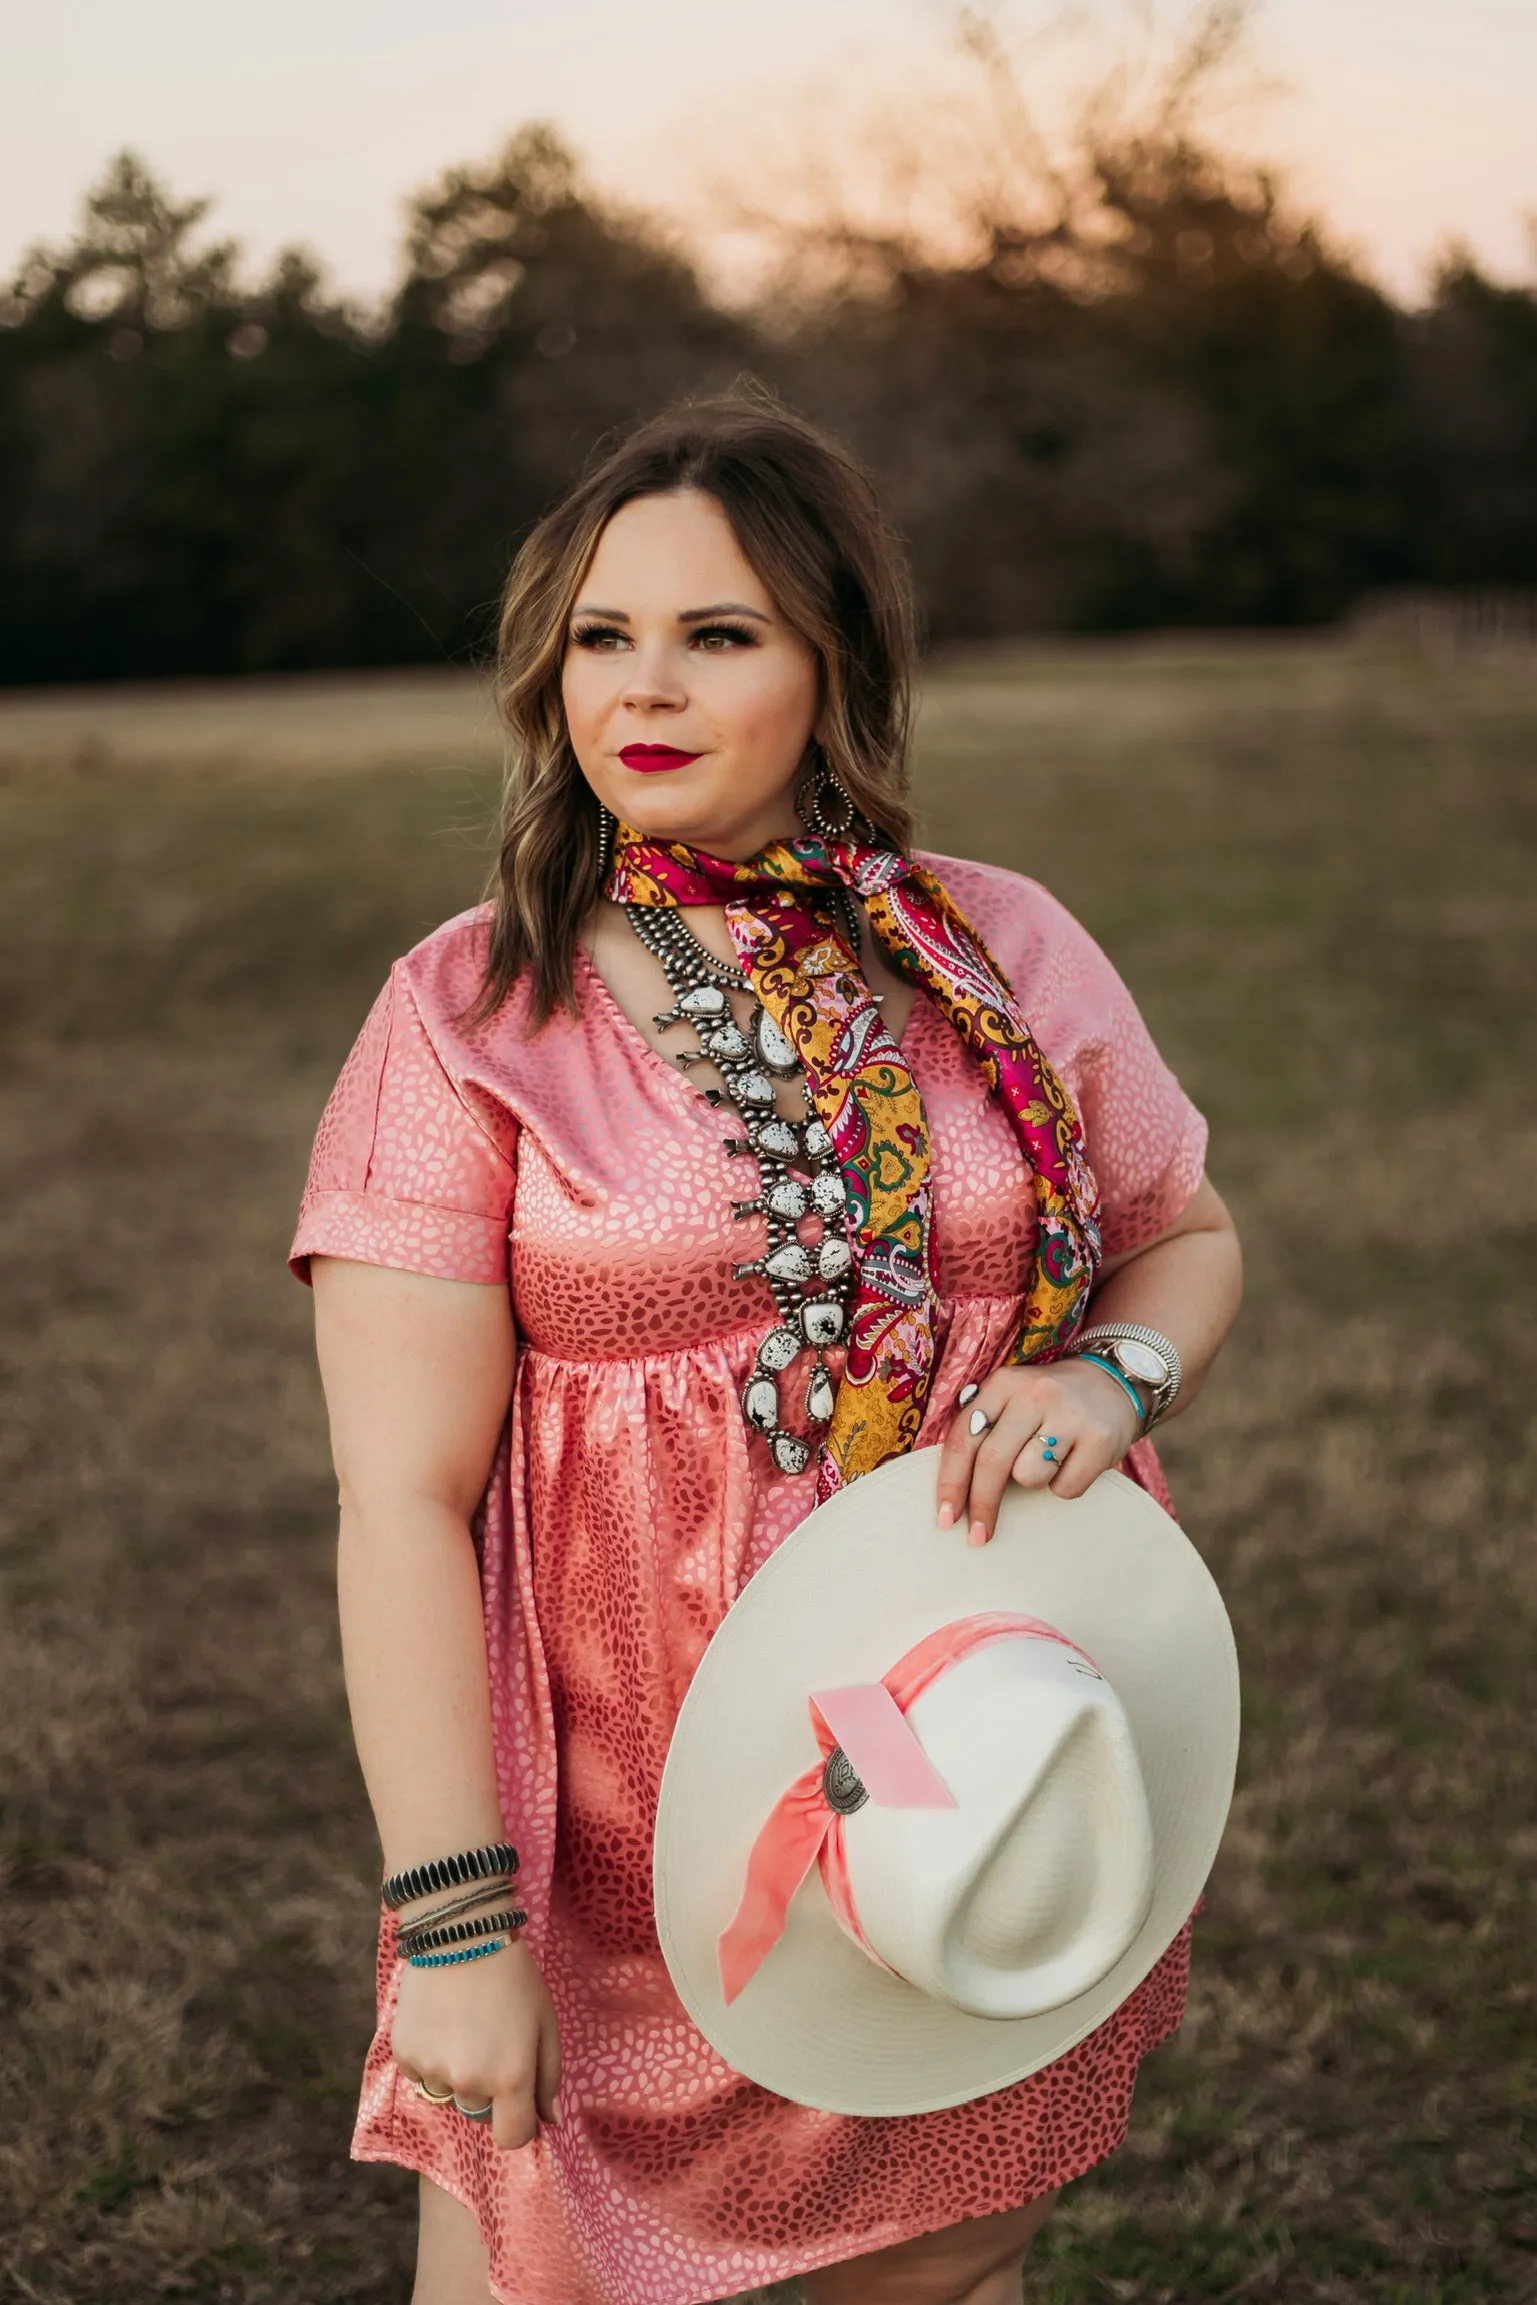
(473, 2112)
(980, 1423)
(966, 1396)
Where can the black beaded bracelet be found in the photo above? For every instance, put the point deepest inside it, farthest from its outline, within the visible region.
(448, 1873)
(458, 1932)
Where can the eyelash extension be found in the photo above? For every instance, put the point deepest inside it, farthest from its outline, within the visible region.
(587, 635)
(742, 632)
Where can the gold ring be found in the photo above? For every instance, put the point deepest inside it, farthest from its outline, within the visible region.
(431, 2096)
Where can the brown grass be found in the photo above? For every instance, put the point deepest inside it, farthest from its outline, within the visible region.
(1316, 869)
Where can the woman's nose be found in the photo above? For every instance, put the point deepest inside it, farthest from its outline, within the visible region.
(655, 681)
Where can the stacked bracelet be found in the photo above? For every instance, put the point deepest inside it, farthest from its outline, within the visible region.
(452, 1960)
(1149, 1358)
(448, 1873)
(430, 1940)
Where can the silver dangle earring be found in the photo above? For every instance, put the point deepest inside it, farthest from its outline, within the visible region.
(605, 845)
(818, 795)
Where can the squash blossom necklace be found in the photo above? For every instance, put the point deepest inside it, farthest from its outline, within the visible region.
(810, 1282)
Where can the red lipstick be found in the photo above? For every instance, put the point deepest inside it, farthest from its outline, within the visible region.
(646, 759)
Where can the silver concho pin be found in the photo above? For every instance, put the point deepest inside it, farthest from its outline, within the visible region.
(842, 1789)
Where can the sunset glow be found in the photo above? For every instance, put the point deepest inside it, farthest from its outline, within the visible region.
(1405, 126)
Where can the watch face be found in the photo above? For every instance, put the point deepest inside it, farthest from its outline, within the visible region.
(1141, 1361)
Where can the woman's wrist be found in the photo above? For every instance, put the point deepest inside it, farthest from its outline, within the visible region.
(1132, 1408)
(456, 1908)
(1143, 1357)
(1133, 1394)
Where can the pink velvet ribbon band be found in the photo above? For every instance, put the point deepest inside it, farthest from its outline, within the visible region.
(802, 1829)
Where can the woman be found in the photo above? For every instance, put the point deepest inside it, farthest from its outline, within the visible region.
(526, 1224)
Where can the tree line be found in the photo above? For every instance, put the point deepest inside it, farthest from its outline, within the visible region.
(1166, 402)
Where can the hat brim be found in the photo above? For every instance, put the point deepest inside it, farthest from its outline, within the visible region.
(854, 1586)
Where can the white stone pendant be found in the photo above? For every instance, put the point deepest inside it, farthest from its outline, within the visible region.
(789, 1454)
(827, 1194)
(760, 1404)
(833, 1259)
(818, 1142)
(774, 1047)
(778, 1349)
(821, 1322)
(790, 1263)
(821, 1396)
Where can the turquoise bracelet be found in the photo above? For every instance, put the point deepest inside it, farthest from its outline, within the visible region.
(1125, 1383)
(465, 1953)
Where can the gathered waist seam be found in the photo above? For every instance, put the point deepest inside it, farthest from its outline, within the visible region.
(748, 1333)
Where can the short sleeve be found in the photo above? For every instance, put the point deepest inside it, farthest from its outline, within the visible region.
(406, 1171)
(1145, 1139)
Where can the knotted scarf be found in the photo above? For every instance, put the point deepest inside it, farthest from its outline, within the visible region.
(801, 967)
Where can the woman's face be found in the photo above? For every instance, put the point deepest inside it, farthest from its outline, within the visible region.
(689, 700)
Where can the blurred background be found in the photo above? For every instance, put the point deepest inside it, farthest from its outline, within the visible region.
(1196, 356)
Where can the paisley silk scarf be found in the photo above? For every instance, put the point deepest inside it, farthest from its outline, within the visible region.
(800, 965)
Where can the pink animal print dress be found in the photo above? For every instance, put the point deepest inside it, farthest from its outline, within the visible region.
(627, 1508)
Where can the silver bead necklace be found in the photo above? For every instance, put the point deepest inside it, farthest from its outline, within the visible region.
(810, 1283)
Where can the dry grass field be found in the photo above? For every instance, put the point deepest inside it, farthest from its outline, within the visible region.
(1316, 868)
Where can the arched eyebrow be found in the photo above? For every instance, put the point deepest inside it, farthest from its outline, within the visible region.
(685, 616)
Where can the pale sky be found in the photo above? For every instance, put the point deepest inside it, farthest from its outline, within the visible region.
(1404, 122)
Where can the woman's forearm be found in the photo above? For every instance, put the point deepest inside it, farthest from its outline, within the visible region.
(418, 1374)
(414, 1654)
(1186, 1284)
(1186, 1289)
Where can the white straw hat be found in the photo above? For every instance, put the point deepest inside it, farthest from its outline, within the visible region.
(995, 1816)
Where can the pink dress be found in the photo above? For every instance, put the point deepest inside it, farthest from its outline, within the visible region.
(627, 1508)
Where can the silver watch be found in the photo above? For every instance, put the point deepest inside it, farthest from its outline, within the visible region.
(1141, 1354)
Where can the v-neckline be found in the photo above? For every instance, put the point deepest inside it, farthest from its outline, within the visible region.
(656, 1057)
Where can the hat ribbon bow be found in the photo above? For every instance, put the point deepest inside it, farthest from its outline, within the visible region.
(867, 1726)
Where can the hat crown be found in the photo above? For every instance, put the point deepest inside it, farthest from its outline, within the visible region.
(1028, 1891)
(843, 1603)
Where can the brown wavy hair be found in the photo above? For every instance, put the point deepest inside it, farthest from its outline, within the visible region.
(807, 520)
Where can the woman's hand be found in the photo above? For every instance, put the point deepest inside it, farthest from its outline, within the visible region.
(486, 2031)
(1070, 1412)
